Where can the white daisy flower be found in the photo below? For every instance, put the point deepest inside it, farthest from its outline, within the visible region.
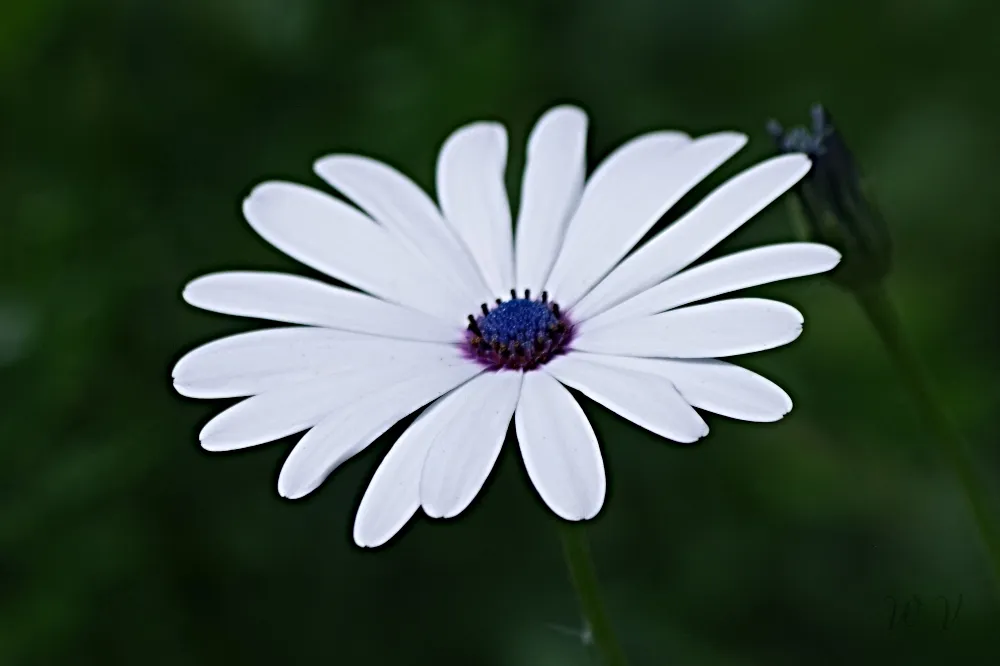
(457, 311)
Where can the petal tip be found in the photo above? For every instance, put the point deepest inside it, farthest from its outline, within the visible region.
(479, 130)
(566, 107)
(797, 316)
(791, 158)
(363, 540)
(700, 435)
(565, 112)
(261, 189)
(835, 256)
(211, 445)
(179, 386)
(325, 164)
(580, 513)
(289, 493)
(432, 511)
(264, 195)
(799, 164)
(249, 207)
(333, 163)
(569, 516)
(189, 294)
(795, 165)
(737, 139)
(775, 416)
(293, 490)
(205, 433)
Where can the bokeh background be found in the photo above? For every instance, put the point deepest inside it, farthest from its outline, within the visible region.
(131, 130)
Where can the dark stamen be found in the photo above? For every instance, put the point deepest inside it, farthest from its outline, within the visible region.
(520, 333)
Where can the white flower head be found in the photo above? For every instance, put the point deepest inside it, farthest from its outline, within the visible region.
(456, 311)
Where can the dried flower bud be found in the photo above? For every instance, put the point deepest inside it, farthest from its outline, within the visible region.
(831, 205)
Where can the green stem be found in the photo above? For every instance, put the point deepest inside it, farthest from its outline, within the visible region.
(584, 577)
(880, 312)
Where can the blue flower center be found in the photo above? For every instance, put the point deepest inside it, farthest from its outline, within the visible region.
(518, 321)
(518, 334)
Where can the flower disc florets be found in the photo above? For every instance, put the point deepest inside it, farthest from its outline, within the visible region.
(519, 334)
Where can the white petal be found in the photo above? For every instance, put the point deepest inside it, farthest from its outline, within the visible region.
(722, 328)
(259, 361)
(464, 451)
(334, 238)
(646, 399)
(395, 201)
(717, 216)
(625, 198)
(736, 271)
(299, 300)
(715, 386)
(473, 197)
(554, 172)
(393, 495)
(559, 448)
(348, 430)
(249, 363)
(292, 408)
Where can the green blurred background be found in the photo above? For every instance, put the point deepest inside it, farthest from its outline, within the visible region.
(129, 133)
